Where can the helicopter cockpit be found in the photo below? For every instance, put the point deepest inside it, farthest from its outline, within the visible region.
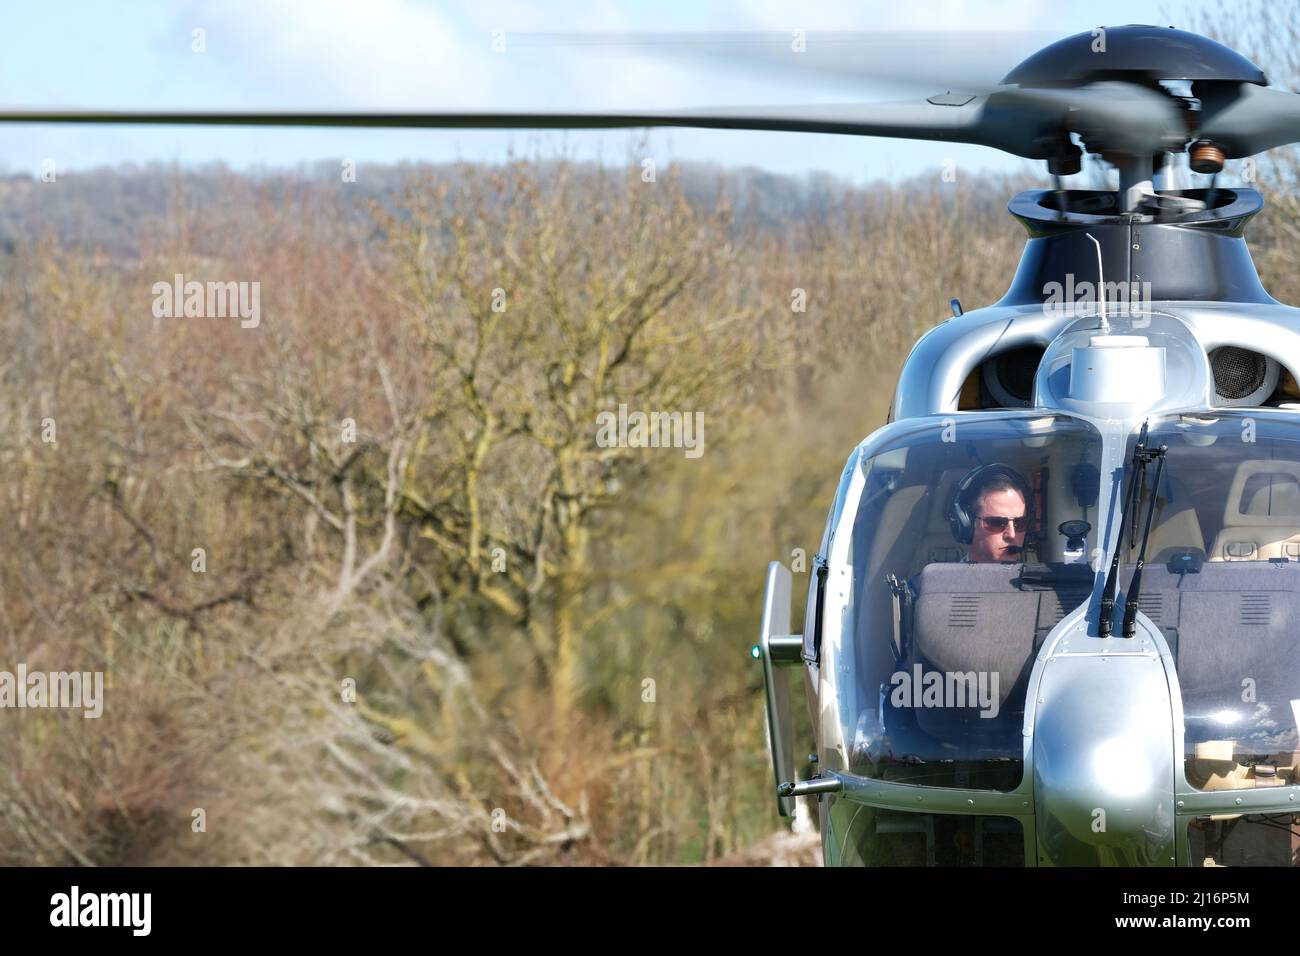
(933, 656)
(937, 650)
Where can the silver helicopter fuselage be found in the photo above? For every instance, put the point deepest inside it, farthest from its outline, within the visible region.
(1103, 779)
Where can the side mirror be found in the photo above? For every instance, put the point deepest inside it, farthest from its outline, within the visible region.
(779, 649)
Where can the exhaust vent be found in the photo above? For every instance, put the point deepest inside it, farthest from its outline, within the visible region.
(1242, 377)
(1009, 378)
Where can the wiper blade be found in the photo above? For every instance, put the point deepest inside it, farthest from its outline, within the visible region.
(1135, 587)
(1136, 463)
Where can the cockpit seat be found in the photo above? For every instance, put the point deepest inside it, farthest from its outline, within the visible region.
(978, 623)
(1261, 517)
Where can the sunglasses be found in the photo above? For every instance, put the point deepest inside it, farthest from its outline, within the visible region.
(999, 523)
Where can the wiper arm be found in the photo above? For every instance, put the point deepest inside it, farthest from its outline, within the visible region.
(1135, 588)
(1136, 463)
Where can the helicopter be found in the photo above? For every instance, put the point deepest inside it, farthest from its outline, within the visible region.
(1114, 686)
(1115, 690)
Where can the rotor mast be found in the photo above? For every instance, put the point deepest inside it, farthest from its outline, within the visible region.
(1136, 181)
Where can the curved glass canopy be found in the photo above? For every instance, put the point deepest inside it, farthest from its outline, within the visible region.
(938, 637)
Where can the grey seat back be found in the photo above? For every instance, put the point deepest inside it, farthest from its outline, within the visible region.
(1234, 628)
(987, 621)
(973, 618)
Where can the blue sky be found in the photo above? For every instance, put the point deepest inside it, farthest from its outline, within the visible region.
(412, 54)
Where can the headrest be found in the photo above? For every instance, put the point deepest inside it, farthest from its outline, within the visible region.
(1264, 493)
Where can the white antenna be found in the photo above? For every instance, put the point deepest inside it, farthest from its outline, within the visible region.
(1101, 284)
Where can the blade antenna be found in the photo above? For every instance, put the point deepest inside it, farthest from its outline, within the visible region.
(1101, 292)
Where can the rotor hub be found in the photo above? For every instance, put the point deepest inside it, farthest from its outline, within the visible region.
(1135, 53)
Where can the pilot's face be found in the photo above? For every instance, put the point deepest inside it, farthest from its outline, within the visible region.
(995, 538)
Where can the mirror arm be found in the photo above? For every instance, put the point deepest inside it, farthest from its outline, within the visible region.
(778, 649)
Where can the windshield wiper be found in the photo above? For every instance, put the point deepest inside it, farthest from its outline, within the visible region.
(1142, 456)
(1130, 503)
(1135, 587)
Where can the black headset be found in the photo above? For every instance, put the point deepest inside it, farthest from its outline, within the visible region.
(959, 516)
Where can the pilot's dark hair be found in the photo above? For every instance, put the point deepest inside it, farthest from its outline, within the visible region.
(973, 484)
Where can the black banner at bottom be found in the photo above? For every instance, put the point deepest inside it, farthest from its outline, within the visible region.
(552, 905)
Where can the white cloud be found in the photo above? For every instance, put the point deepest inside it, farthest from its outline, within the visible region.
(334, 53)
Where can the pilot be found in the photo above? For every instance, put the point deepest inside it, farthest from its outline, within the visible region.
(990, 513)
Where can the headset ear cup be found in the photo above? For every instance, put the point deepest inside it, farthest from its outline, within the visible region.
(963, 525)
(959, 521)
(957, 517)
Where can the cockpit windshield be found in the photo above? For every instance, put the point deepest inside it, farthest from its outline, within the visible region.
(970, 542)
(1222, 582)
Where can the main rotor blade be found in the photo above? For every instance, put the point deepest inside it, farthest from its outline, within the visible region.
(960, 118)
(1033, 123)
(1245, 119)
